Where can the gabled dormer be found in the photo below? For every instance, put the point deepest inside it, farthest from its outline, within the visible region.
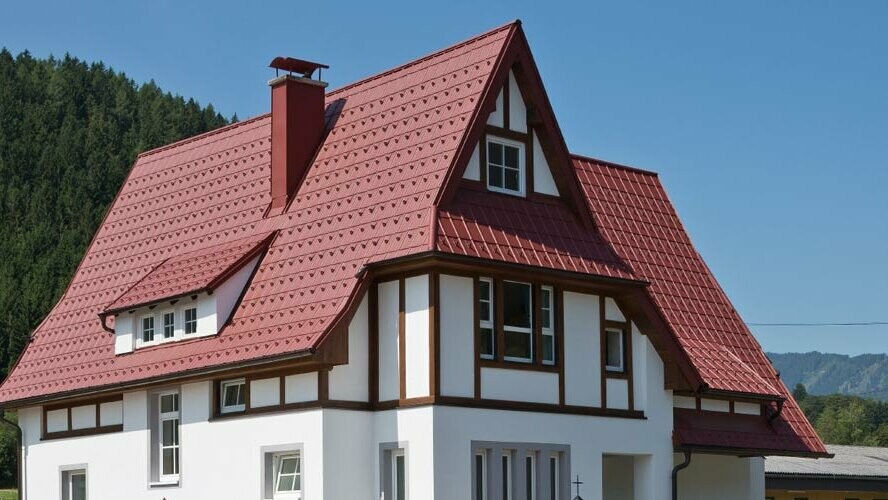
(185, 297)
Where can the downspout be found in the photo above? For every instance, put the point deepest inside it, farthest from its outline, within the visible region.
(687, 462)
(18, 454)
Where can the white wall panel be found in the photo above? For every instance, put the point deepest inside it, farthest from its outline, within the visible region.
(582, 356)
(457, 350)
(265, 392)
(517, 108)
(543, 182)
(389, 374)
(57, 420)
(111, 413)
(416, 335)
(612, 311)
(618, 393)
(519, 385)
(349, 382)
(301, 387)
(473, 169)
(83, 417)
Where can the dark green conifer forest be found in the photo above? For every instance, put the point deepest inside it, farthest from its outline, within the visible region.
(69, 132)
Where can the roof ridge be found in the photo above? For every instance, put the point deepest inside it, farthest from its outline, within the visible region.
(437, 53)
(226, 128)
(619, 166)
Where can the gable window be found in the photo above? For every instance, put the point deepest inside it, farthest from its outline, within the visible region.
(169, 324)
(190, 320)
(547, 312)
(169, 435)
(517, 321)
(74, 484)
(614, 350)
(485, 318)
(233, 395)
(148, 328)
(287, 476)
(505, 166)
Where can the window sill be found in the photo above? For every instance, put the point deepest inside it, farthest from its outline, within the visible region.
(166, 483)
(518, 365)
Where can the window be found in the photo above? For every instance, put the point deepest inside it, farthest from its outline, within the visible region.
(287, 476)
(148, 328)
(506, 476)
(399, 476)
(233, 395)
(169, 435)
(505, 166)
(190, 320)
(485, 318)
(614, 350)
(74, 484)
(517, 321)
(169, 324)
(480, 476)
(548, 324)
(530, 477)
(554, 478)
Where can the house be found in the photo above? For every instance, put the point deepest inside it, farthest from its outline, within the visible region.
(405, 288)
(854, 472)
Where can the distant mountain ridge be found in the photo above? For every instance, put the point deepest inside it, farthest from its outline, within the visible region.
(865, 375)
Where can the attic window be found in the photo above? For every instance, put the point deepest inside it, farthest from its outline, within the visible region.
(505, 166)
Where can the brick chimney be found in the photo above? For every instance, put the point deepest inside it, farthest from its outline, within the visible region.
(297, 126)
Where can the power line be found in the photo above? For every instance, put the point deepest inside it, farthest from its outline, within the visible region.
(858, 323)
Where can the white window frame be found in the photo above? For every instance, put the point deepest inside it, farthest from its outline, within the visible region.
(518, 329)
(395, 454)
(233, 408)
(548, 306)
(488, 323)
(278, 459)
(480, 478)
(621, 334)
(522, 168)
(161, 418)
(142, 329)
(163, 325)
(68, 478)
(185, 319)
(532, 475)
(555, 476)
(507, 474)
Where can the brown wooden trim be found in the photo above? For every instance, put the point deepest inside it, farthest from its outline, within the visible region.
(506, 104)
(506, 134)
(402, 341)
(499, 331)
(559, 340)
(517, 365)
(282, 389)
(434, 336)
(373, 347)
(528, 163)
(602, 348)
(537, 308)
(628, 353)
(323, 386)
(496, 404)
(49, 436)
(482, 159)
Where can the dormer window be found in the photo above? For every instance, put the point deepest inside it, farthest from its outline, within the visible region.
(190, 320)
(505, 166)
(148, 328)
(169, 324)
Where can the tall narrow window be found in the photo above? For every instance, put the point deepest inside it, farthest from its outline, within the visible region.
(169, 324)
(507, 476)
(233, 395)
(614, 350)
(74, 484)
(547, 316)
(553, 477)
(517, 321)
(399, 475)
(480, 487)
(148, 328)
(505, 166)
(529, 477)
(190, 320)
(287, 476)
(169, 435)
(485, 318)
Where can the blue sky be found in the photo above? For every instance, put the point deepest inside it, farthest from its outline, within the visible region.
(768, 121)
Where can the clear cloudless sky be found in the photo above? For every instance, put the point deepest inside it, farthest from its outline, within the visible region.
(767, 121)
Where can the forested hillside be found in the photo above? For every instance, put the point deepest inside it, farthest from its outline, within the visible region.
(865, 375)
(843, 419)
(69, 132)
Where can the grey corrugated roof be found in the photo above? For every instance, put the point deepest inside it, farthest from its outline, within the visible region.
(851, 461)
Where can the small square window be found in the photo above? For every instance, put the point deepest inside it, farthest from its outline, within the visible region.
(232, 395)
(190, 320)
(287, 476)
(505, 166)
(169, 324)
(614, 350)
(74, 484)
(148, 328)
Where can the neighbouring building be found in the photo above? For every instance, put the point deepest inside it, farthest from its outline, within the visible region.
(405, 288)
(854, 473)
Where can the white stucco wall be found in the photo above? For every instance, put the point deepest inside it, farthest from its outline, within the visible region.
(519, 385)
(457, 352)
(389, 374)
(349, 382)
(473, 168)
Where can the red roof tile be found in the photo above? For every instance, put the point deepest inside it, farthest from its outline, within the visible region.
(634, 213)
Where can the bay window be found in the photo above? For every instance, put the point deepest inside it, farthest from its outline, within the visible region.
(516, 322)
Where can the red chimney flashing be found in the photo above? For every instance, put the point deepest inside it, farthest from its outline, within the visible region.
(297, 127)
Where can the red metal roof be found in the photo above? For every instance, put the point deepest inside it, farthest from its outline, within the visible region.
(200, 270)
(370, 196)
(635, 215)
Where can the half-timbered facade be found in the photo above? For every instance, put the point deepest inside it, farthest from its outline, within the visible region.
(406, 288)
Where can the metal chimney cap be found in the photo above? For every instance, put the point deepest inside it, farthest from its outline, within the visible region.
(289, 64)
